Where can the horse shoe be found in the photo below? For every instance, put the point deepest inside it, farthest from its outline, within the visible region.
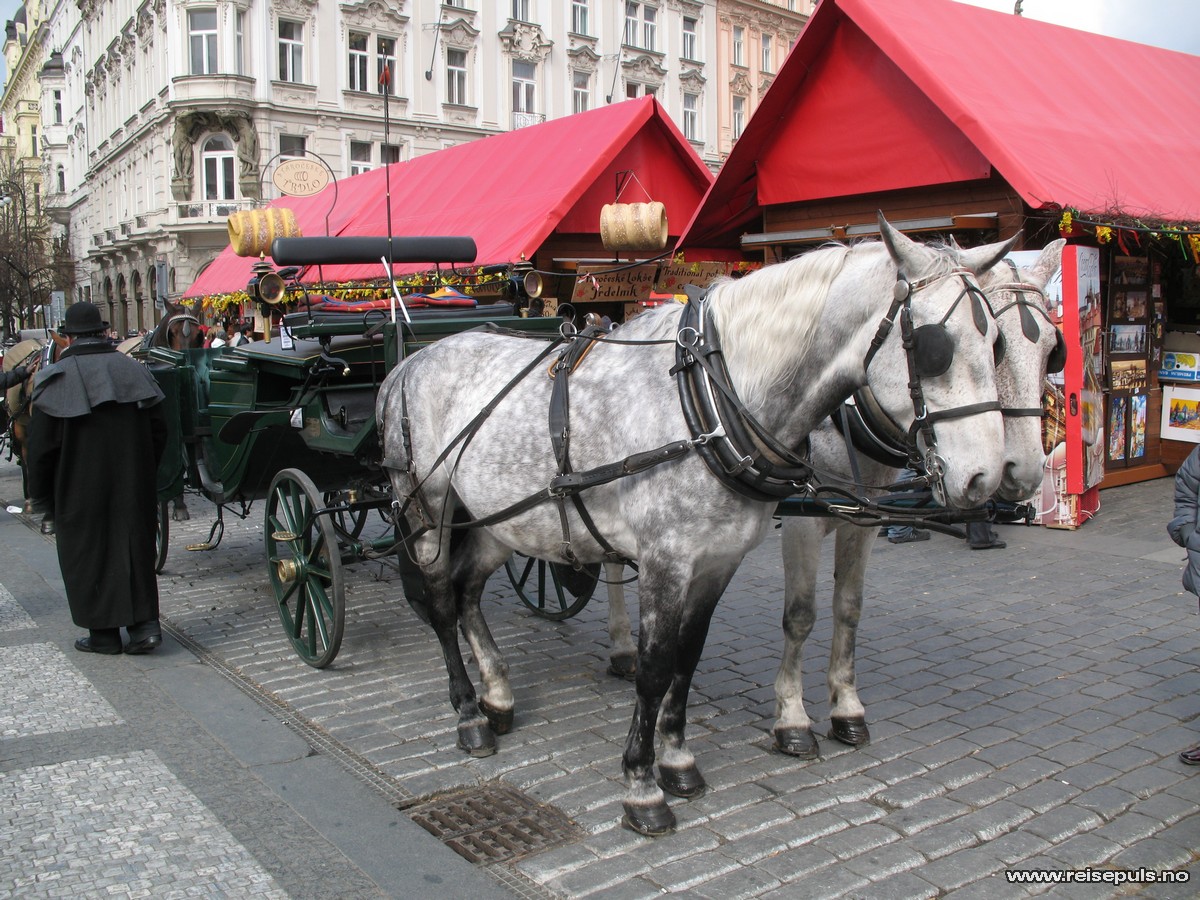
(850, 730)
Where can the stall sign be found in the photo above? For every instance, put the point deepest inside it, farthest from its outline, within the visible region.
(600, 283)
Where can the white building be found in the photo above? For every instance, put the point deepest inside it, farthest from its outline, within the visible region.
(161, 117)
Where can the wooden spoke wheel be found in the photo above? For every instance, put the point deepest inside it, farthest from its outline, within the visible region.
(348, 522)
(305, 566)
(552, 590)
(162, 537)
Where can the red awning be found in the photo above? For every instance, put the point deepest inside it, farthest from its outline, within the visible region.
(509, 191)
(878, 96)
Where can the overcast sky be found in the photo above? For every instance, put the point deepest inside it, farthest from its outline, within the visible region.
(1174, 24)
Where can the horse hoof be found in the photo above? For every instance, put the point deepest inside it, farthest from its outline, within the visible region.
(798, 742)
(477, 739)
(501, 720)
(654, 820)
(852, 731)
(687, 782)
(623, 666)
(181, 515)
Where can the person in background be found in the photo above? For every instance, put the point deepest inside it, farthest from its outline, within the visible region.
(904, 534)
(1183, 531)
(97, 435)
(216, 336)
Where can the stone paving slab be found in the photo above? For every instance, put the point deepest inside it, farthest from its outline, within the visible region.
(117, 826)
(1025, 705)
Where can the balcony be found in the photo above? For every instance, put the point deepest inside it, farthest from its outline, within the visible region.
(200, 210)
(525, 119)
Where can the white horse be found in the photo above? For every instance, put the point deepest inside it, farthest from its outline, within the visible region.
(464, 437)
(1032, 345)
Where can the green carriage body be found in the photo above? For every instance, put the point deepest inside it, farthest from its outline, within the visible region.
(239, 415)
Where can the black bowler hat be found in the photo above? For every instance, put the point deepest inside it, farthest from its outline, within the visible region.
(83, 318)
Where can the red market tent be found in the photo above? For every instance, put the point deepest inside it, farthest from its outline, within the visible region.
(880, 96)
(509, 192)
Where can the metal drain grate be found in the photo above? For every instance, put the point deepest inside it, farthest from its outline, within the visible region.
(494, 823)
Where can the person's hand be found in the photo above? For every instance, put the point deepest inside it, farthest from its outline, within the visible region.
(22, 372)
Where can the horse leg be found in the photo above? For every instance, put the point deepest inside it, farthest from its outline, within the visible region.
(801, 554)
(848, 721)
(678, 773)
(661, 608)
(475, 559)
(622, 658)
(433, 554)
(179, 510)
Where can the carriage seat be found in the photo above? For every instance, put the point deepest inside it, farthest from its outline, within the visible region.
(366, 318)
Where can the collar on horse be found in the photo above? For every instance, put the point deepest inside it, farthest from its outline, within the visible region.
(743, 454)
(738, 449)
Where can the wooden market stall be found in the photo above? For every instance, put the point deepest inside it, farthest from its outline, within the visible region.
(531, 199)
(961, 122)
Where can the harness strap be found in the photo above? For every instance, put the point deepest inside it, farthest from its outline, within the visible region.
(560, 439)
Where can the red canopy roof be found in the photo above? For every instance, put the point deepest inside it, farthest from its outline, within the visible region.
(509, 191)
(879, 95)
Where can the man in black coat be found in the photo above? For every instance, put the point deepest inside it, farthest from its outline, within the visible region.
(97, 434)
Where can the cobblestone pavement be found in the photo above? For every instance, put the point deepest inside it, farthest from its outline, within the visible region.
(1026, 707)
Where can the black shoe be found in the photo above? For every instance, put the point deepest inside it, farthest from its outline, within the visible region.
(85, 644)
(910, 538)
(994, 545)
(145, 645)
(1190, 757)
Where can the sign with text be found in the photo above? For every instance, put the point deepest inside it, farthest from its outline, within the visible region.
(673, 276)
(600, 283)
(300, 177)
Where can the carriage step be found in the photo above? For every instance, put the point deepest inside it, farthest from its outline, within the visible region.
(494, 823)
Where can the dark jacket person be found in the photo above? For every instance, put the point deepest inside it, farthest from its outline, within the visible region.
(97, 434)
(1183, 530)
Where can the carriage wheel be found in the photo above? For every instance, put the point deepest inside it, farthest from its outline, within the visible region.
(569, 591)
(349, 523)
(305, 566)
(162, 537)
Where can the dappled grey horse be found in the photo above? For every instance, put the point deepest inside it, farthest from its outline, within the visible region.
(466, 444)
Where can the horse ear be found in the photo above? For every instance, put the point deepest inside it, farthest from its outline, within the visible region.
(198, 307)
(910, 257)
(1048, 263)
(980, 259)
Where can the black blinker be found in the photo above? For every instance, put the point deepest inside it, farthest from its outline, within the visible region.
(933, 350)
(1057, 360)
(998, 349)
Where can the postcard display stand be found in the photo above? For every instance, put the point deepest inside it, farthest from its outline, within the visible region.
(1073, 427)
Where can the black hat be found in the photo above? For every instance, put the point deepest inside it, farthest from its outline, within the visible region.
(83, 318)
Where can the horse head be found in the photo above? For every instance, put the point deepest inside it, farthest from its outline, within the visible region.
(179, 328)
(934, 375)
(1032, 347)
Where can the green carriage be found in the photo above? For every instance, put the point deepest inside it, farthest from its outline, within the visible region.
(291, 421)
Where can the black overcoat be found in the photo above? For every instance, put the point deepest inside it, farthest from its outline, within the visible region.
(97, 434)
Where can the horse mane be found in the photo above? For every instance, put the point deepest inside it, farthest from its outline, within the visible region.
(769, 318)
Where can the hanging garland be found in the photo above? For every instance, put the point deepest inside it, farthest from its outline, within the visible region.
(1128, 232)
(469, 282)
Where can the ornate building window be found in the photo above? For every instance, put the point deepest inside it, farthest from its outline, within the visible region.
(767, 63)
(641, 25)
(360, 157)
(456, 77)
(739, 116)
(524, 86)
(579, 17)
(690, 43)
(739, 46)
(240, 42)
(291, 51)
(581, 91)
(202, 41)
(358, 61)
(691, 116)
(217, 159)
(520, 10)
(292, 146)
(385, 58)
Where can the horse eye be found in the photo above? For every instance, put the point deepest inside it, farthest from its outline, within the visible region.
(998, 349)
